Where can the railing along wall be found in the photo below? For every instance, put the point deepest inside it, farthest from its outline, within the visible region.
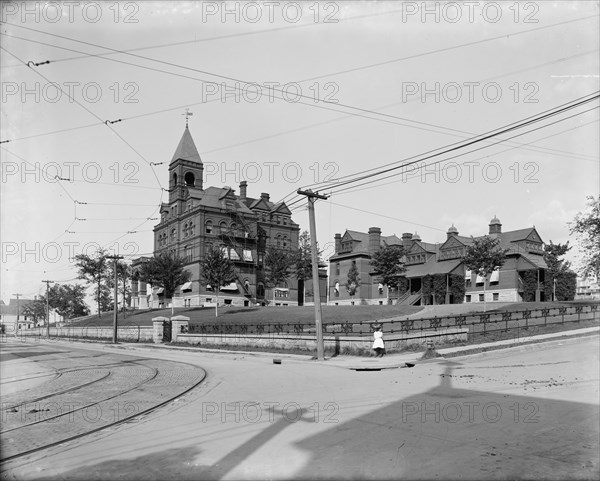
(478, 324)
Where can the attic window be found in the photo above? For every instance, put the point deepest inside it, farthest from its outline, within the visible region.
(190, 179)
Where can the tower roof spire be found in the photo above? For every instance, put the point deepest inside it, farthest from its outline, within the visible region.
(186, 150)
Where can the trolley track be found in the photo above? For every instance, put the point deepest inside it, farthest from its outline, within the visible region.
(157, 383)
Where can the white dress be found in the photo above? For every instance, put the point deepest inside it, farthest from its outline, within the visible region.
(378, 335)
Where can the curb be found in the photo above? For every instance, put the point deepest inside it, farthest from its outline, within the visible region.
(354, 362)
(523, 346)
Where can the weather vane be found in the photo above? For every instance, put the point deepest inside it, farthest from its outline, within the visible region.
(187, 115)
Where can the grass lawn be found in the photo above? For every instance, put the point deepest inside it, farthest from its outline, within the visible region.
(254, 315)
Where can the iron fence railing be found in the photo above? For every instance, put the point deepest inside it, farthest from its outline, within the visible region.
(478, 324)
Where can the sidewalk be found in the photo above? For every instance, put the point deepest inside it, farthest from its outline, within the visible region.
(389, 361)
(399, 360)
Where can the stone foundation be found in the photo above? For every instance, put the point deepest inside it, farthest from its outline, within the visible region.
(338, 342)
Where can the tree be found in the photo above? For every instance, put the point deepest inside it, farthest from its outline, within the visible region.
(166, 270)
(303, 262)
(36, 310)
(483, 257)
(278, 264)
(95, 270)
(303, 257)
(557, 269)
(388, 264)
(123, 275)
(217, 270)
(68, 300)
(586, 227)
(353, 281)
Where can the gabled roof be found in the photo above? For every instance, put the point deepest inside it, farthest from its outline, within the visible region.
(535, 260)
(227, 192)
(391, 240)
(282, 208)
(186, 150)
(10, 309)
(357, 236)
(456, 241)
(216, 197)
(432, 267)
(506, 238)
(261, 204)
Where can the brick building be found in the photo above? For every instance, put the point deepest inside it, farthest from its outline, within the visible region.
(196, 219)
(422, 258)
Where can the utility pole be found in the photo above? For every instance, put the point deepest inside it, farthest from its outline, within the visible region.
(115, 309)
(48, 308)
(18, 295)
(312, 197)
(554, 289)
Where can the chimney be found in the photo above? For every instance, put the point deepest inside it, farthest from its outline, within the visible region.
(406, 240)
(264, 196)
(374, 239)
(243, 186)
(338, 243)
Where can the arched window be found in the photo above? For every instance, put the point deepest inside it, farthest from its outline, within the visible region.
(223, 227)
(188, 253)
(173, 233)
(209, 227)
(174, 178)
(278, 240)
(185, 230)
(190, 179)
(285, 241)
(260, 290)
(336, 289)
(233, 228)
(191, 228)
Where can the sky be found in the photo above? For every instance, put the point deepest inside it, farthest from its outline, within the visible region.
(288, 96)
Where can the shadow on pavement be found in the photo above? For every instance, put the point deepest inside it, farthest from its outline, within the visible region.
(446, 432)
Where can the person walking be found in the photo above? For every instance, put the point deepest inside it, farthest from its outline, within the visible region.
(378, 344)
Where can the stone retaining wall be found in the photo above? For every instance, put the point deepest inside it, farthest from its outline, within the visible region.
(125, 333)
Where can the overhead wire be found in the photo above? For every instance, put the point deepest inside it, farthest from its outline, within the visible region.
(458, 155)
(424, 166)
(461, 144)
(315, 102)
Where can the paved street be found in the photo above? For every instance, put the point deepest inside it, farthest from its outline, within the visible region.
(521, 413)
